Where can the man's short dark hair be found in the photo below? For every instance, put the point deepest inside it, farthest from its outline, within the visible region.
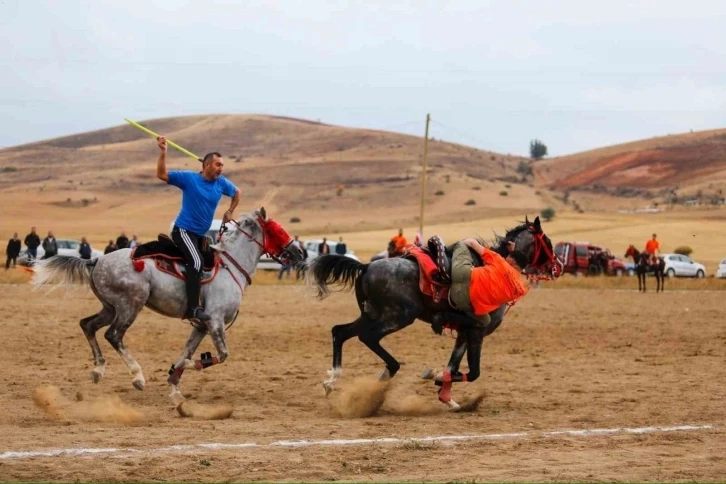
(210, 156)
(520, 258)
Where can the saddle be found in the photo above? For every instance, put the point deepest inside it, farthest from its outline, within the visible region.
(434, 263)
(169, 258)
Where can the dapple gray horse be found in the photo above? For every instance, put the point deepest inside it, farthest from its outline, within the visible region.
(124, 290)
(389, 299)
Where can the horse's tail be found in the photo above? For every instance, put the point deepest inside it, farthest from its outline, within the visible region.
(65, 269)
(333, 269)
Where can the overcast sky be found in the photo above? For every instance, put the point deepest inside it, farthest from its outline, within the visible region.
(577, 74)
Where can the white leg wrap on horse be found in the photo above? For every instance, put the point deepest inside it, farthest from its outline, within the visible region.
(333, 374)
(453, 405)
(176, 395)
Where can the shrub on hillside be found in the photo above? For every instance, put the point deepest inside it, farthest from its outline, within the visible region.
(547, 213)
(683, 250)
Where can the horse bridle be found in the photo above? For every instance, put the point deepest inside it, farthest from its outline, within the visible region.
(262, 245)
(540, 247)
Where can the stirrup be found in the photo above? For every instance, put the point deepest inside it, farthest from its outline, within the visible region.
(198, 316)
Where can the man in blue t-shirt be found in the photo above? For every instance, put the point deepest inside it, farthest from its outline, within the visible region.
(201, 192)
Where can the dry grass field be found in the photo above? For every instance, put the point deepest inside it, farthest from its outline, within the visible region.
(563, 360)
(576, 355)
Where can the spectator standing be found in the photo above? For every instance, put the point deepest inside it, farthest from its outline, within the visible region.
(50, 246)
(110, 247)
(134, 241)
(32, 241)
(122, 241)
(323, 247)
(85, 249)
(13, 251)
(340, 247)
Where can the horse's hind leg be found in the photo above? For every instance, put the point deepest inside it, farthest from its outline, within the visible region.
(183, 362)
(371, 335)
(90, 326)
(341, 333)
(125, 316)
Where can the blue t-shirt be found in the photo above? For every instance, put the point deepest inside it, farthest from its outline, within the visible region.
(200, 198)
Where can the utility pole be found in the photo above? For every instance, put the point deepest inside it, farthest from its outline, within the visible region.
(423, 177)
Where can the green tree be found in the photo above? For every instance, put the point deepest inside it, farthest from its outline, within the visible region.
(537, 149)
(547, 213)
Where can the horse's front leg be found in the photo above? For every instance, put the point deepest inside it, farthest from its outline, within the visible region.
(216, 331)
(446, 378)
(184, 361)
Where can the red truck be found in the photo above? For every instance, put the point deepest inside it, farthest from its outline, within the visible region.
(586, 258)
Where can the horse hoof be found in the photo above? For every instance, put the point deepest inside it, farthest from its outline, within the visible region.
(328, 387)
(139, 384)
(385, 375)
(428, 374)
(96, 376)
(453, 406)
(177, 398)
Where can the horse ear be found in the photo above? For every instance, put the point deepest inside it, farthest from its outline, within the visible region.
(537, 224)
(526, 219)
(263, 213)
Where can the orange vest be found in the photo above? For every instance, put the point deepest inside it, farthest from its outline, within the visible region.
(494, 284)
(651, 246)
(400, 242)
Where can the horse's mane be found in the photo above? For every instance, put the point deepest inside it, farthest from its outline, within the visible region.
(499, 244)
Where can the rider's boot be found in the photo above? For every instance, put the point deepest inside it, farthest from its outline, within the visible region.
(194, 312)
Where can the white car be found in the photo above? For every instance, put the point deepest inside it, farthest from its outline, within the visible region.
(312, 247)
(721, 271)
(680, 265)
(65, 247)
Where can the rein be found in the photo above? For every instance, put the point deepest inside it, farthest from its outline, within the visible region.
(262, 245)
(540, 247)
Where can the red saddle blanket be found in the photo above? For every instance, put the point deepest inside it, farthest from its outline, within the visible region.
(172, 264)
(427, 270)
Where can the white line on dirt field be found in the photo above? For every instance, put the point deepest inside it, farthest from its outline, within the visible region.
(127, 452)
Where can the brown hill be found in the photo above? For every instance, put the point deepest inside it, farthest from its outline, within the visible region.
(329, 176)
(687, 162)
(265, 149)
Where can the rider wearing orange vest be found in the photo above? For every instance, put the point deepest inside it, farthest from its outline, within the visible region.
(477, 291)
(400, 242)
(652, 247)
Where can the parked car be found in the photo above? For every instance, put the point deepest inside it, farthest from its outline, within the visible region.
(312, 247)
(677, 265)
(65, 247)
(721, 271)
(585, 258)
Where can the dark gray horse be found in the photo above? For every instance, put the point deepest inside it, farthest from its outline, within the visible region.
(389, 299)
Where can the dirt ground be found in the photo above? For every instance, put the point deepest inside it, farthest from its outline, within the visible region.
(563, 359)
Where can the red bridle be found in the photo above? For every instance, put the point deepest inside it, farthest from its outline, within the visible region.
(540, 247)
(263, 245)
